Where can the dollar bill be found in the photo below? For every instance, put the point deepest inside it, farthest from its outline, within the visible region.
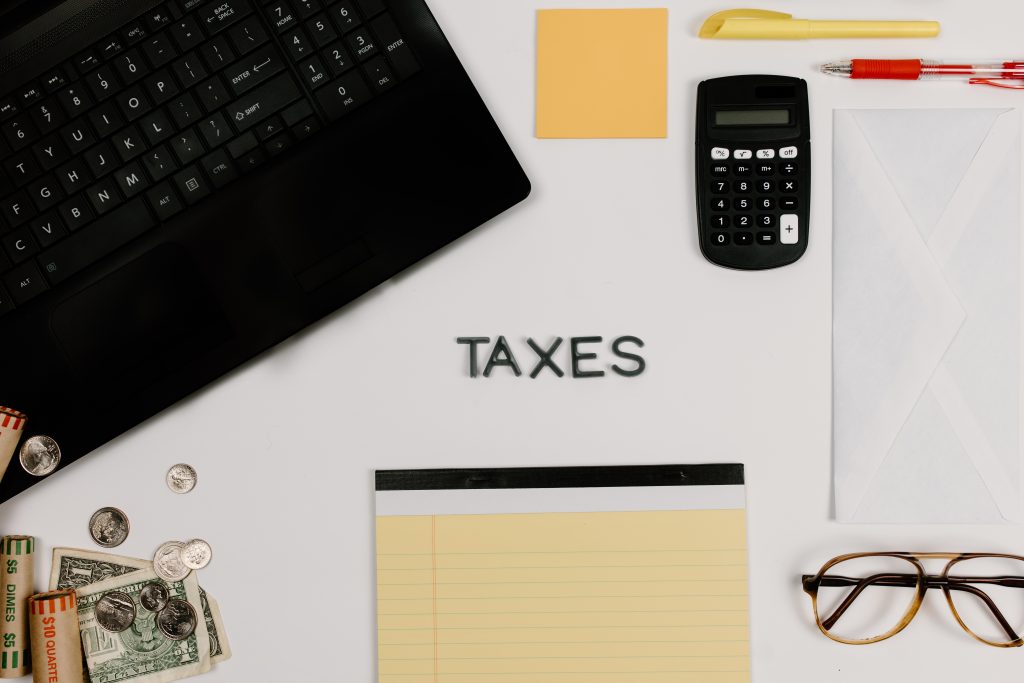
(75, 568)
(140, 653)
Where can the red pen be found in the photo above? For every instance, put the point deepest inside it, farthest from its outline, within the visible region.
(999, 74)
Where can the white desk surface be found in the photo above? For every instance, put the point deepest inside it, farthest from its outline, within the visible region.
(738, 370)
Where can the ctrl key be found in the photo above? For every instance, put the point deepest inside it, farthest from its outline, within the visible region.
(24, 282)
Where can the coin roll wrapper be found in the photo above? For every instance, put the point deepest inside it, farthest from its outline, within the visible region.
(56, 642)
(17, 554)
(11, 424)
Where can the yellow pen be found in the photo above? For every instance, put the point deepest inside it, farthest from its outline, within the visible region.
(753, 24)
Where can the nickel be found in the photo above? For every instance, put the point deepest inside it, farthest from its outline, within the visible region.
(196, 554)
(177, 621)
(181, 478)
(109, 527)
(39, 455)
(167, 562)
(115, 611)
(154, 596)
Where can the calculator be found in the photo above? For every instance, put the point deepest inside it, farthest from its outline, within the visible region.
(753, 151)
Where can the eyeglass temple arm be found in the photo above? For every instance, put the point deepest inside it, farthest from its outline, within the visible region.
(910, 581)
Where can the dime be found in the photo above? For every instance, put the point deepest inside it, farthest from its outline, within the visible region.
(177, 621)
(109, 527)
(196, 554)
(181, 478)
(115, 611)
(39, 455)
(154, 596)
(167, 562)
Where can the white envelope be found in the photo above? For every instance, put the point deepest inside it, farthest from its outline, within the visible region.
(926, 315)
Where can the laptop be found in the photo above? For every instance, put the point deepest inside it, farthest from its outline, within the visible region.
(184, 184)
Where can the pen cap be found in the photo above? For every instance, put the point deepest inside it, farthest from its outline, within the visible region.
(755, 24)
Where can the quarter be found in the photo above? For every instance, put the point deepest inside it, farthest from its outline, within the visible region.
(39, 455)
(177, 621)
(115, 611)
(182, 478)
(154, 596)
(167, 562)
(109, 527)
(196, 554)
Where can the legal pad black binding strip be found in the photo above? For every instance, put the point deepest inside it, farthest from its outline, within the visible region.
(560, 477)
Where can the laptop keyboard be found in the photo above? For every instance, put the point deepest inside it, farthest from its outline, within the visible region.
(174, 106)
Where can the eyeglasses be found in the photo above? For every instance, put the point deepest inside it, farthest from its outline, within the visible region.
(867, 597)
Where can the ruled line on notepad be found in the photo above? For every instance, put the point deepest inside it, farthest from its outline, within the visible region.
(566, 566)
(564, 628)
(573, 597)
(499, 583)
(570, 552)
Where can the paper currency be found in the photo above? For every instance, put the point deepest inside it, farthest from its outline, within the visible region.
(11, 424)
(16, 571)
(74, 568)
(141, 653)
(56, 642)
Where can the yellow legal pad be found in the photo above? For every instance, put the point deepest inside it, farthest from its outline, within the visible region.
(641, 594)
(602, 73)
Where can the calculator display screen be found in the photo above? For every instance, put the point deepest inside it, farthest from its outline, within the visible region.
(752, 117)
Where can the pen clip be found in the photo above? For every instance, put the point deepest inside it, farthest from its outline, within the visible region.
(713, 24)
(1008, 83)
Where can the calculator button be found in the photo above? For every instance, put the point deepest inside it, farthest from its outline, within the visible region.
(789, 228)
(766, 154)
(719, 170)
(719, 238)
(720, 204)
(743, 203)
(766, 203)
(743, 238)
(719, 187)
(719, 153)
(765, 169)
(787, 153)
(742, 221)
(742, 186)
(788, 186)
(765, 186)
(788, 168)
(742, 169)
(766, 220)
(742, 154)
(766, 238)
(720, 221)
(788, 203)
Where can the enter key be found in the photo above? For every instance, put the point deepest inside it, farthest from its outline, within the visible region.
(250, 71)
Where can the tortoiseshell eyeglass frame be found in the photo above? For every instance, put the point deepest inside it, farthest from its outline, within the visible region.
(921, 581)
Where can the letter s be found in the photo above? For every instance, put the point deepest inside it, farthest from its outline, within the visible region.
(640, 363)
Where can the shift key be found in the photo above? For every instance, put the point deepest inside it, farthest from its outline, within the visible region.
(268, 99)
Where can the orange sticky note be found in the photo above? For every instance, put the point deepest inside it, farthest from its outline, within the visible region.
(602, 73)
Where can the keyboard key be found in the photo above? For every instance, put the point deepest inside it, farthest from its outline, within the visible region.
(394, 46)
(213, 94)
(191, 184)
(133, 103)
(86, 61)
(766, 220)
(789, 203)
(788, 186)
(156, 18)
(161, 87)
(131, 180)
(77, 136)
(314, 72)
(47, 229)
(45, 192)
(720, 170)
(217, 53)
(189, 70)
(219, 15)
(720, 221)
(129, 143)
(102, 82)
(742, 221)
(219, 168)
(17, 209)
(248, 35)
(337, 59)
(765, 203)
(278, 145)
(106, 118)
(306, 128)
(187, 34)
(19, 245)
(298, 112)
(157, 127)
(742, 186)
(344, 15)
(54, 80)
(111, 47)
(165, 201)
(765, 169)
(134, 32)
(104, 196)
(24, 283)
(720, 204)
(789, 226)
(9, 106)
(187, 147)
(102, 159)
(114, 230)
(719, 187)
(788, 168)
(189, 5)
(251, 159)
(766, 238)
(743, 203)
(343, 95)
(159, 163)
(281, 16)
(361, 44)
(75, 100)
(306, 8)
(215, 130)
(371, 7)
(298, 45)
(159, 50)
(130, 67)
(720, 238)
(242, 144)
(73, 176)
(22, 167)
(321, 30)
(269, 128)
(185, 111)
(742, 169)
(51, 153)
(269, 98)
(248, 72)
(379, 74)
(743, 238)
(76, 212)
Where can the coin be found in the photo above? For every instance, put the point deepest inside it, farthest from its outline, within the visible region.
(181, 478)
(177, 621)
(196, 554)
(115, 611)
(39, 455)
(154, 596)
(109, 527)
(167, 562)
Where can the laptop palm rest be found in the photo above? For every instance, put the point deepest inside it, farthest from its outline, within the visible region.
(146, 318)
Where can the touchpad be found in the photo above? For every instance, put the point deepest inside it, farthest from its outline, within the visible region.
(154, 314)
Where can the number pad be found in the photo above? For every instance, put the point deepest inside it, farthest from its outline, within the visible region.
(765, 187)
(720, 221)
(720, 187)
(765, 169)
(743, 203)
(766, 220)
(742, 169)
(720, 170)
(765, 203)
(788, 168)
(741, 186)
(742, 221)
(720, 204)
